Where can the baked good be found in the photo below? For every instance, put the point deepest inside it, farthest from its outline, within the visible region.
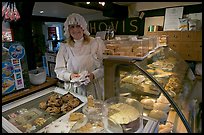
(90, 101)
(53, 96)
(74, 102)
(124, 49)
(162, 99)
(39, 121)
(75, 116)
(148, 103)
(112, 46)
(161, 106)
(158, 114)
(122, 113)
(108, 52)
(67, 97)
(43, 105)
(167, 128)
(90, 128)
(53, 110)
(55, 101)
(148, 88)
(151, 71)
(66, 108)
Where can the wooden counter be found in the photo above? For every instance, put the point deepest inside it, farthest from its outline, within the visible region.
(49, 82)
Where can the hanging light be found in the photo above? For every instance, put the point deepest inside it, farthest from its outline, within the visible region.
(102, 3)
(10, 12)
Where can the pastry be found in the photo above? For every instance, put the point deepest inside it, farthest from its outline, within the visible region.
(112, 46)
(96, 127)
(148, 103)
(161, 106)
(162, 99)
(151, 71)
(53, 110)
(67, 97)
(74, 102)
(66, 108)
(90, 101)
(127, 79)
(158, 114)
(76, 116)
(108, 52)
(40, 121)
(85, 129)
(167, 128)
(53, 96)
(55, 102)
(43, 105)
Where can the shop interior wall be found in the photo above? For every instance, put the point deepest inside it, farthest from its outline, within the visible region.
(157, 16)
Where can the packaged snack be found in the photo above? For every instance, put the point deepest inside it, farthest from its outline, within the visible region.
(183, 24)
(194, 24)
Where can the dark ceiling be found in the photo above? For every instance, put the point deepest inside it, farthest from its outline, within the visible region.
(109, 10)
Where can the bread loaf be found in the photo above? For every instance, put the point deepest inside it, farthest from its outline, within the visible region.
(148, 103)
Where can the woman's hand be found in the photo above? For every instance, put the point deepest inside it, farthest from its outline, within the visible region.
(91, 76)
(74, 76)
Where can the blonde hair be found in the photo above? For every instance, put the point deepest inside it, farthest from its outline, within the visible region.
(71, 42)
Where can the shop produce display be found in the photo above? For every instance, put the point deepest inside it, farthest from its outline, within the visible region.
(36, 114)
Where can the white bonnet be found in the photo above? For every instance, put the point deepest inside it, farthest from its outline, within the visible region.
(75, 19)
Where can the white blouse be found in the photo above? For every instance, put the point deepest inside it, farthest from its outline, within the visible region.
(63, 55)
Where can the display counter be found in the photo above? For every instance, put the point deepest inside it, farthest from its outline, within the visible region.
(162, 82)
(27, 115)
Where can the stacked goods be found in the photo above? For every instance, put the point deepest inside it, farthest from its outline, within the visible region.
(136, 48)
(90, 121)
(56, 104)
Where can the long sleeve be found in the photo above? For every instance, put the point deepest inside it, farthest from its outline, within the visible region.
(100, 47)
(61, 64)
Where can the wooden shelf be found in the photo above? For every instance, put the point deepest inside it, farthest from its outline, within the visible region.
(49, 82)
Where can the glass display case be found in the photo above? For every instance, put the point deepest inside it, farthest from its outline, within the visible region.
(162, 82)
(36, 112)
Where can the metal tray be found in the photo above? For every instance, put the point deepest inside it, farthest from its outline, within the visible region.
(25, 112)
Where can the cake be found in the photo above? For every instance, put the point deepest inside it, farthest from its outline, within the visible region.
(123, 113)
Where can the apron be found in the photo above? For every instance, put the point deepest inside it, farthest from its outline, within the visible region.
(88, 62)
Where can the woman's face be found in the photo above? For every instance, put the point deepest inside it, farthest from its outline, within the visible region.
(76, 31)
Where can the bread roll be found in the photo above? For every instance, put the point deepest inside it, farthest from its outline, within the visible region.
(162, 99)
(161, 106)
(148, 103)
(159, 115)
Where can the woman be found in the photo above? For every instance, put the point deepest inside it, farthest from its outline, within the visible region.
(80, 55)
